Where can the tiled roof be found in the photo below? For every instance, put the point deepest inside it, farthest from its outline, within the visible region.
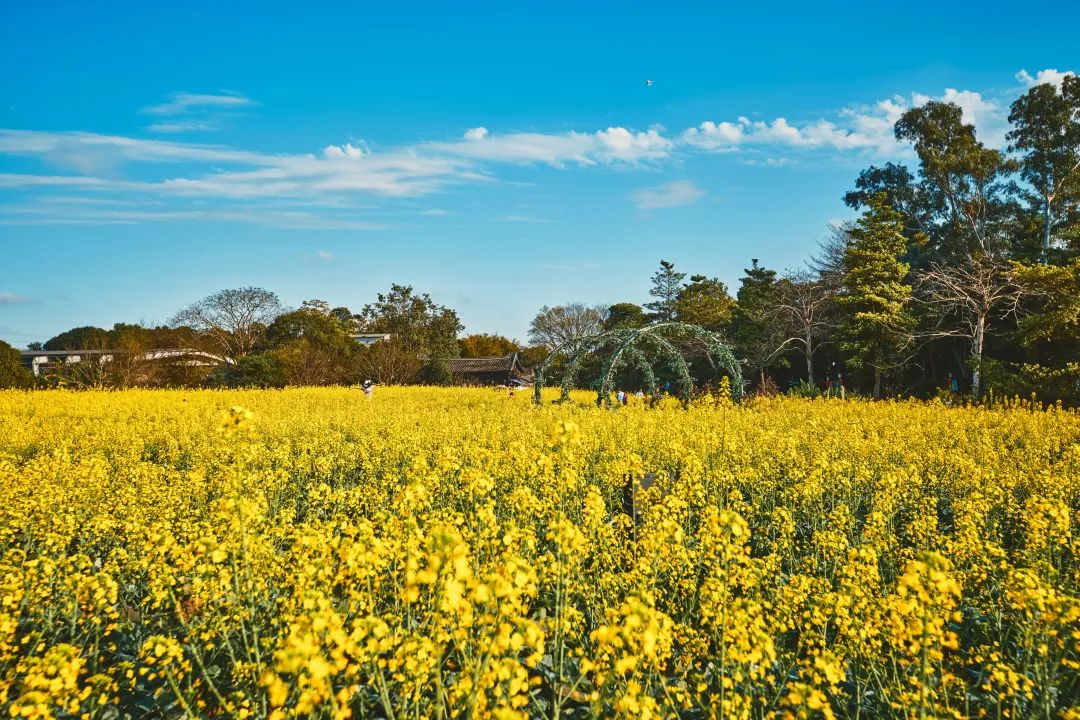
(488, 364)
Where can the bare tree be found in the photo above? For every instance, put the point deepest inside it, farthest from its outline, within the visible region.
(804, 312)
(965, 299)
(233, 320)
(388, 362)
(566, 325)
(828, 262)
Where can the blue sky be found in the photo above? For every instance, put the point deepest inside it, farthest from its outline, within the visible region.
(500, 156)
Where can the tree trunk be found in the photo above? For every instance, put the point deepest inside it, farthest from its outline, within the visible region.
(877, 383)
(976, 355)
(1046, 232)
(809, 358)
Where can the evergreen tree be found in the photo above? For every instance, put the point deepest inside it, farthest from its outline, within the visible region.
(878, 325)
(667, 284)
(753, 330)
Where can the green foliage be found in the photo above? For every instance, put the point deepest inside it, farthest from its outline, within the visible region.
(12, 372)
(754, 332)
(1026, 380)
(261, 370)
(878, 325)
(625, 315)
(86, 337)
(1057, 290)
(1046, 132)
(415, 320)
(705, 302)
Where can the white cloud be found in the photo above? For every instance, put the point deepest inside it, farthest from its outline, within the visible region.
(324, 255)
(720, 136)
(182, 103)
(7, 298)
(1049, 75)
(434, 212)
(182, 126)
(672, 194)
(613, 145)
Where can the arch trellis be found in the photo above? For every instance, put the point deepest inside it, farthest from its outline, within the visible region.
(628, 348)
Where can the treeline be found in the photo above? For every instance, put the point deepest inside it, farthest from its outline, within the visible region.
(245, 337)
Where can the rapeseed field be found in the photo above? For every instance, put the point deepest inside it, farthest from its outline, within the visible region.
(440, 553)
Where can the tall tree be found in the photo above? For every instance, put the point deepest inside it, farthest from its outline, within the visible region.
(705, 302)
(805, 313)
(754, 331)
(964, 299)
(415, 321)
(566, 325)
(666, 286)
(233, 320)
(878, 324)
(961, 181)
(1046, 134)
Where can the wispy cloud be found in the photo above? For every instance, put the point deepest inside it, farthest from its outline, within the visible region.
(434, 212)
(181, 103)
(668, 195)
(246, 214)
(324, 255)
(9, 298)
(195, 112)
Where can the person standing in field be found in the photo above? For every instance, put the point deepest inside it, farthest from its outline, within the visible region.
(367, 388)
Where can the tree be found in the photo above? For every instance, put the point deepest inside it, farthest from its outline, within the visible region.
(753, 328)
(414, 321)
(12, 372)
(878, 325)
(961, 181)
(667, 284)
(1046, 133)
(86, 337)
(804, 310)
(965, 299)
(566, 325)
(389, 362)
(233, 320)
(622, 316)
(1059, 317)
(705, 302)
(474, 346)
(312, 346)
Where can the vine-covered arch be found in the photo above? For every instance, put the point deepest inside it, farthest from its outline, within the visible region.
(627, 348)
